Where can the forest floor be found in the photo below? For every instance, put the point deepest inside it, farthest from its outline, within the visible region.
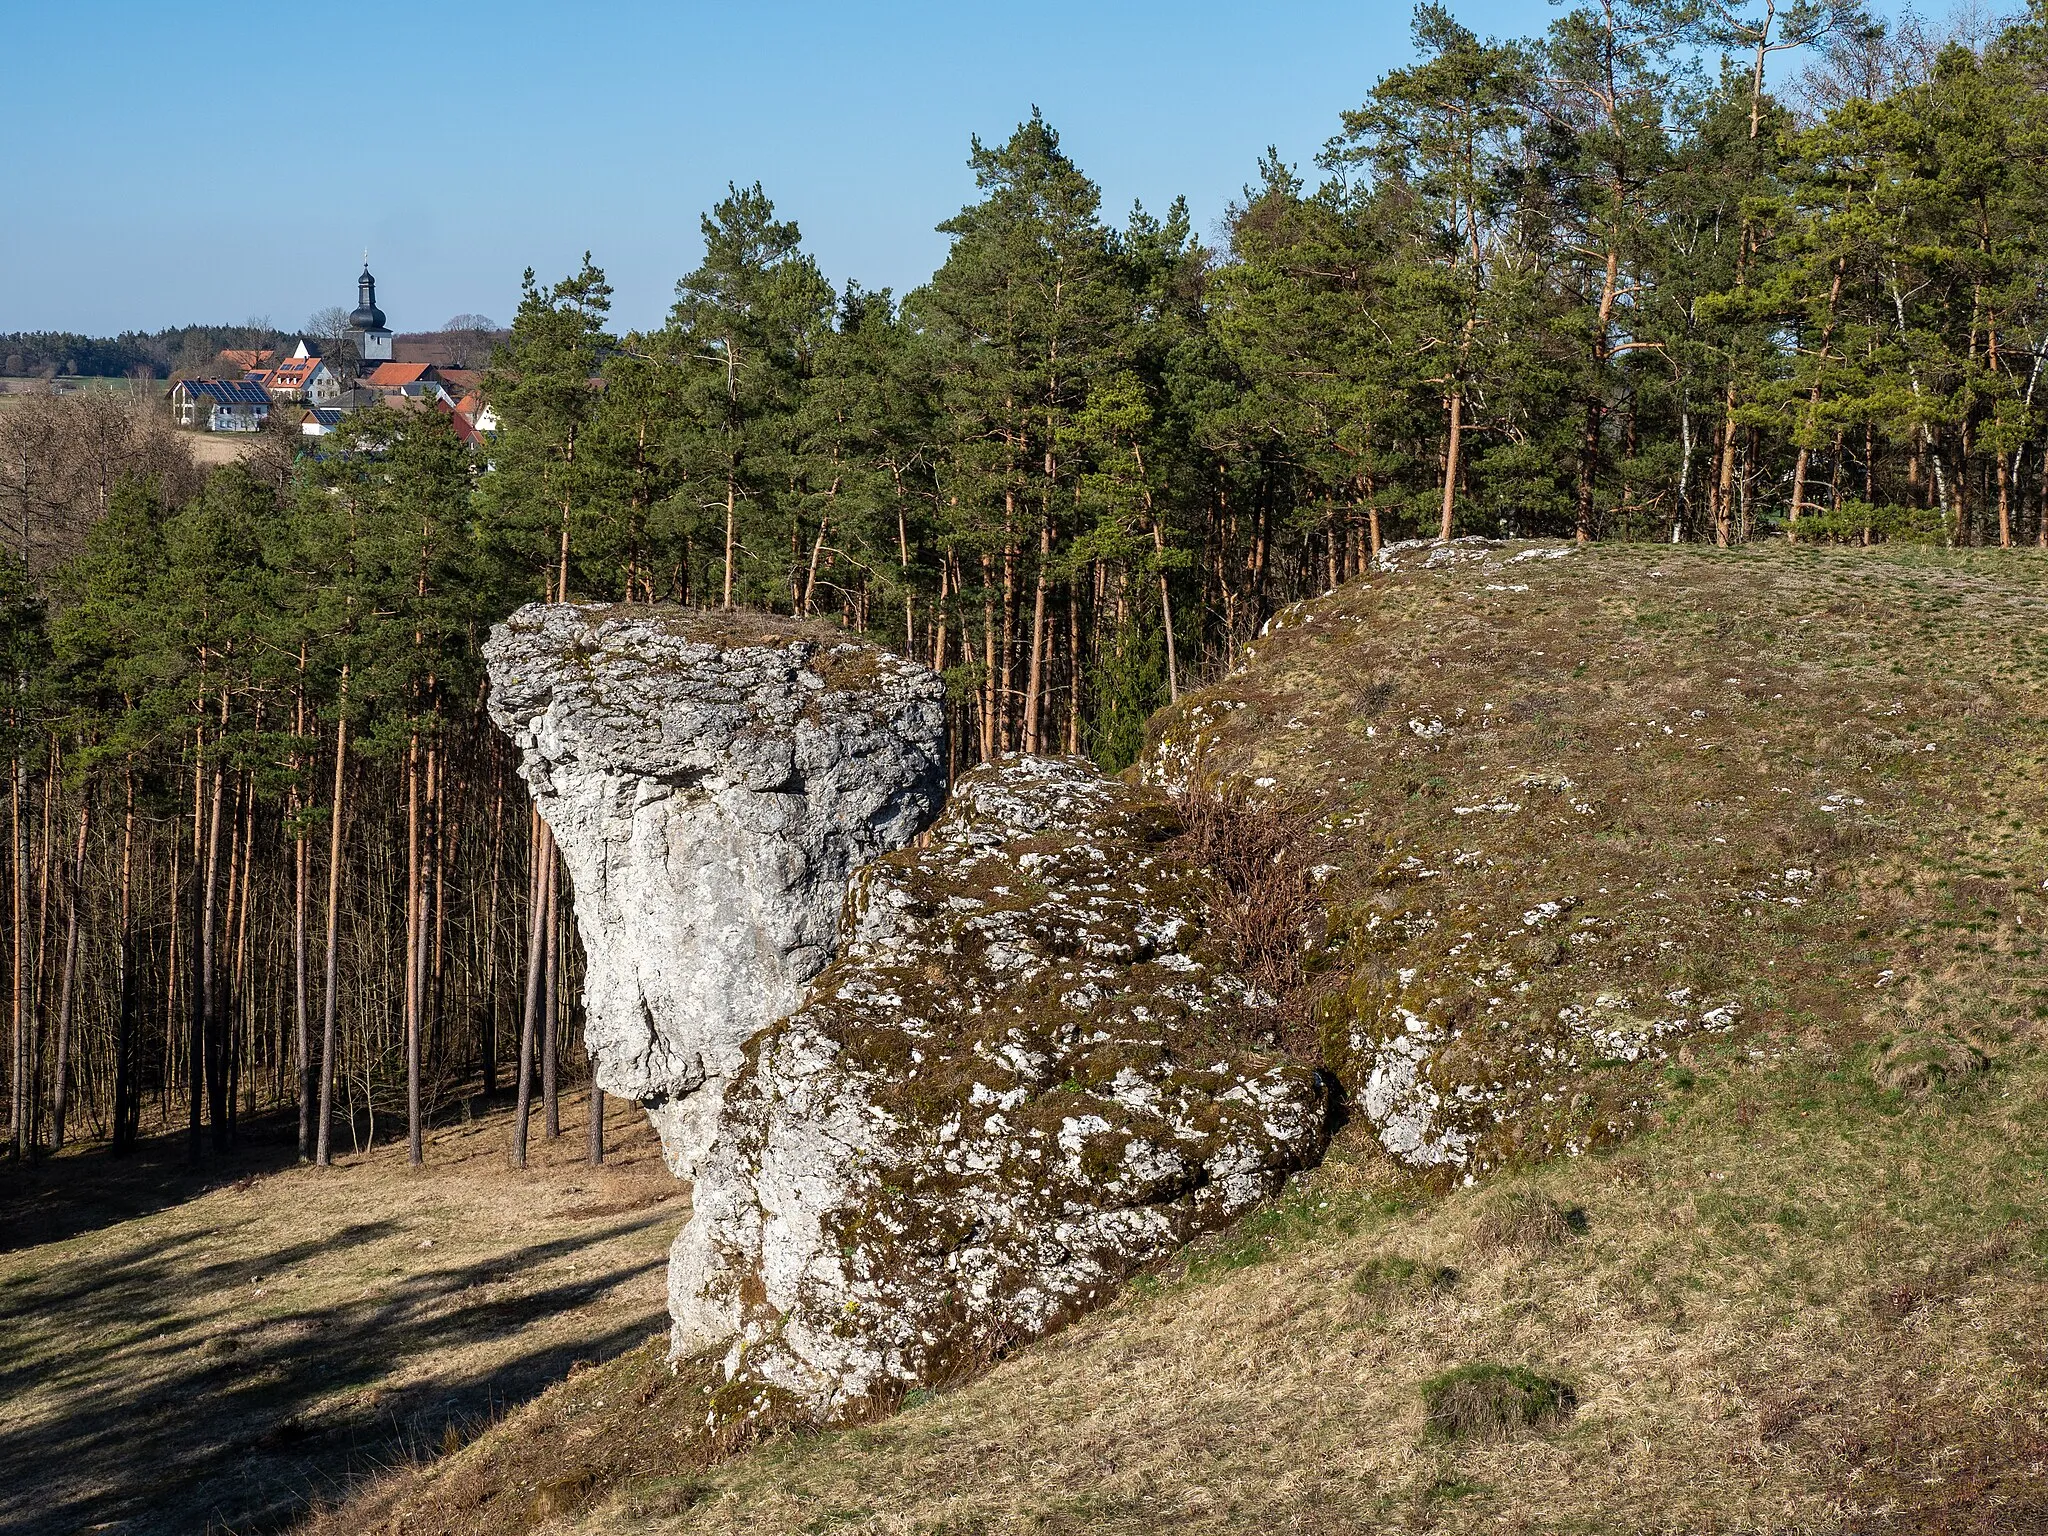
(1806, 1292)
(221, 1348)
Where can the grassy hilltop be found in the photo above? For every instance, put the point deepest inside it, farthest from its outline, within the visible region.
(1723, 874)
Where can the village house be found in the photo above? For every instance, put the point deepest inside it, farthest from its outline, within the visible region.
(302, 379)
(471, 408)
(445, 387)
(220, 405)
(389, 380)
(322, 391)
(464, 427)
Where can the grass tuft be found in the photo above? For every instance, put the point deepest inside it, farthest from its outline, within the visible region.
(563, 1495)
(1921, 1061)
(1484, 1401)
(1524, 1219)
(668, 1496)
(1389, 1275)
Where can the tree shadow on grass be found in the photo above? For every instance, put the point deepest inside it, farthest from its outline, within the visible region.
(90, 1186)
(164, 1431)
(55, 1198)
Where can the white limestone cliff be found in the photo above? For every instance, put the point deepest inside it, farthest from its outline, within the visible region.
(713, 780)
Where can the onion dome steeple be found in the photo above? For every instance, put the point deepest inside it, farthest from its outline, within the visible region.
(366, 316)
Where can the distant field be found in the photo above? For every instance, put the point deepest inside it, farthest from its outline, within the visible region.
(30, 388)
(213, 449)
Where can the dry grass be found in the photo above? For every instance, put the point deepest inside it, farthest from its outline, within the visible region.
(1767, 1328)
(1804, 1299)
(1524, 1218)
(210, 450)
(185, 1352)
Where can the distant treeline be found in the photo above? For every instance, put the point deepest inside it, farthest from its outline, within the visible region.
(132, 354)
(190, 350)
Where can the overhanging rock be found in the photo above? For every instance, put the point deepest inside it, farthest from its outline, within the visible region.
(713, 780)
(1023, 1077)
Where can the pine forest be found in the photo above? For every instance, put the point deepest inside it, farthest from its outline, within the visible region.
(1667, 272)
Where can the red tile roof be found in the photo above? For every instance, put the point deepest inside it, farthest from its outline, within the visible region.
(464, 427)
(395, 375)
(292, 373)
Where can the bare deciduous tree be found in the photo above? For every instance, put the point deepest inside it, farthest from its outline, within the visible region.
(61, 456)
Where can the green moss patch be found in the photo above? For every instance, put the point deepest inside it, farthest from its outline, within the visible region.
(1483, 1401)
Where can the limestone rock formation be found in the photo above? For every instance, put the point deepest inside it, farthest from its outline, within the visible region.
(713, 781)
(1013, 1088)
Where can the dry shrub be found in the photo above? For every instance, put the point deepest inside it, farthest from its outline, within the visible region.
(1265, 908)
(563, 1495)
(1524, 1218)
(1923, 1060)
(62, 455)
(1483, 1401)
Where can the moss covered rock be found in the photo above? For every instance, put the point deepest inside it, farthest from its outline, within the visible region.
(1012, 1089)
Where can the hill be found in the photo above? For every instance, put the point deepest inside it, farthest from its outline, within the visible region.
(1706, 888)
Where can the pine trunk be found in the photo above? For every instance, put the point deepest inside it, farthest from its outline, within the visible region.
(414, 1150)
(127, 1092)
(536, 946)
(59, 1088)
(21, 1069)
(323, 1147)
(551, 1013)
(1457, 405)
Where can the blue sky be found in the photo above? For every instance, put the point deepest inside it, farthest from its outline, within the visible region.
(171, 163)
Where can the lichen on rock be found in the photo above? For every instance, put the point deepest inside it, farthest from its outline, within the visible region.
(713, 780)
(1011, 1090)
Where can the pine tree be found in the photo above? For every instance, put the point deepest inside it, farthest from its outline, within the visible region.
(1027, 309)
(542, 385)
(743, 336)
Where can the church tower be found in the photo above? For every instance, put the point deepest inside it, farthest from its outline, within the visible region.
(366, 323)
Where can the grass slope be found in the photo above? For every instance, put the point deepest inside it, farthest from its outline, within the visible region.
(185, 1351)
(1792, 1280)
